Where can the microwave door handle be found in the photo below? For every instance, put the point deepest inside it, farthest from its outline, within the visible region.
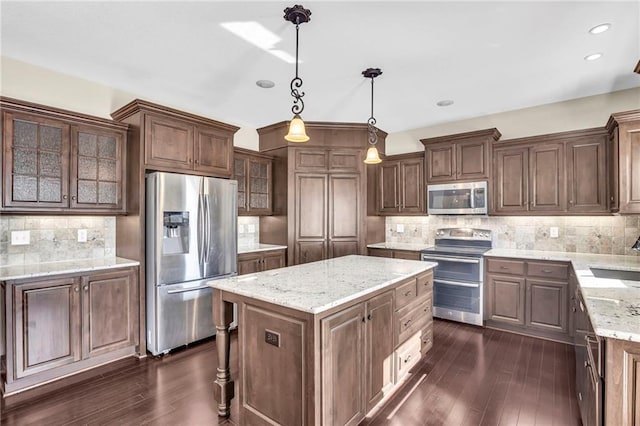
(473, 198)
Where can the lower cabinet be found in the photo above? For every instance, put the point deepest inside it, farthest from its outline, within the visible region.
(530, 297)
(249, 263)
(61, 325)
(398, 254)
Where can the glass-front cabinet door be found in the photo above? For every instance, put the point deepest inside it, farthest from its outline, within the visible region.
(36, 161)
(96, 168)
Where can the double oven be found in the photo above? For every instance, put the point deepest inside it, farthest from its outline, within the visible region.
(458, 278)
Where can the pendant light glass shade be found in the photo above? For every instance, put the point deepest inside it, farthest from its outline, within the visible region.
(636, 246)
(297, 131)
(372, 156)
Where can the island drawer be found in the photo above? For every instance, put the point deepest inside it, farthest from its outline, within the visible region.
(426, 338)
(425, 284)
(406, 293)
(558, 271)
(411, 319)
(407, 356)
(504, 266)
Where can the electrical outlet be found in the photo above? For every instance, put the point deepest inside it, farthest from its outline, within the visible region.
(553, 232)
(82, 235)
(399, 228)
(20, 238)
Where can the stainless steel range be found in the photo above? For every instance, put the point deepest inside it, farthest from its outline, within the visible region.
(458, 278)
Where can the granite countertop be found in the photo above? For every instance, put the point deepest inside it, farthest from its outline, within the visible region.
(399, 246)
(15, 272)
(613, 304)
(318, 286)
(251, 248)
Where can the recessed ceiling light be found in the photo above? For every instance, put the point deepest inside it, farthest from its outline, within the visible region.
(593, 57)
(598, 29)
(444, 103)
(265, 84)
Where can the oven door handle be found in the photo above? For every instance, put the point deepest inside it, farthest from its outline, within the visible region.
(450, 259)
(456, 283)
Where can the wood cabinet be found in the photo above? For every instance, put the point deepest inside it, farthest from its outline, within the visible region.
(459, 157)
(258, 261)
(378, 350)
(622, 383)
(530, 297)
(187, 145)
(562, 173)
(398, 254)
(624, 162)
(401, 187)
(253, 172)
(57, 326)
(320, 198)
(58, 161)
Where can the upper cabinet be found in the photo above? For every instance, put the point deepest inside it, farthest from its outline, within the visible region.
(60, 161)
(460, 157)
(176, 141)
(624, 164)
(401, 186)
(253, 172)
(561, 173)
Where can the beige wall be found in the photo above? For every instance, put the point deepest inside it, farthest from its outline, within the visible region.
(582, 113)
(31, 83)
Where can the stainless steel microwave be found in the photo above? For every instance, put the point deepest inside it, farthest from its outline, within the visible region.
(457, 198)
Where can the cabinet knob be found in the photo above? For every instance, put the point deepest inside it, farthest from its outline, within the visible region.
(73, 197)
(85, 288)
(570, 201)
(612, 199)
(364, 319)
(195, 161)
(369, 317)
(76, 289)
(64, 197)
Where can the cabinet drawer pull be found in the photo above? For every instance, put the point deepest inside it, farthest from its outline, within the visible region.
(407, 359)
(503, 267)
(369, 317)
(406, 324)
(547, 271)
(408, 293)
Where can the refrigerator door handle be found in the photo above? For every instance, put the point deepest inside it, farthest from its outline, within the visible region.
(200, 229)
(207, 228)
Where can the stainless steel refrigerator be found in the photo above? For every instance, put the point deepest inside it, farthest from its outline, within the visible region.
(191, 239)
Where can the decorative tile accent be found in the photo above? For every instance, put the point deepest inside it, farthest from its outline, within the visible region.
(54, 238)
(581, 234)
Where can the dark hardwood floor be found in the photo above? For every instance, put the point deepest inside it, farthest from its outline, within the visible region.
(472, 376)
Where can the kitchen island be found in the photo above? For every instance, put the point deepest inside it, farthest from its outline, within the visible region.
(323, 342)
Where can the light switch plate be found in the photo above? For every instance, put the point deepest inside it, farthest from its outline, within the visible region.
(553, 232)
(20, 238)
(82, 235)
(399, 228)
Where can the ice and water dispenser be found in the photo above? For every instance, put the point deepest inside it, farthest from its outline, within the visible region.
(175, 239)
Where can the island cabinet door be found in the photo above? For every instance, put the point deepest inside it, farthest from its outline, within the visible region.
(378, 348)
(47, 326)
(342, 367)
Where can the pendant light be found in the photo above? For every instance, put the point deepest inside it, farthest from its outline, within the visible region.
(636, 246)
(297, 133)
(372, 153)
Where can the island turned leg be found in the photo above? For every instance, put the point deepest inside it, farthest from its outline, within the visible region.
(223, 388)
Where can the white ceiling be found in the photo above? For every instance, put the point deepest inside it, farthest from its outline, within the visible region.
(486, 56)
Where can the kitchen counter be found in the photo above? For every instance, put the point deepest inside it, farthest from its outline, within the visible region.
(319, 286)
(15, 272)
(398, 246)
(252, 248)
(613, 304)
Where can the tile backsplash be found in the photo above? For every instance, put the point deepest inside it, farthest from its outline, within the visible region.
(582, 234)
(55, 238)
(248, 230)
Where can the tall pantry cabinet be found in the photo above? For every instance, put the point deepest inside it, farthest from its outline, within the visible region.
(319, 192)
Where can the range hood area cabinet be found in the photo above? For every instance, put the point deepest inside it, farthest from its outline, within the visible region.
(319, 191)
(624, 163)
(463, 157)
(560, 173)
(57, 161)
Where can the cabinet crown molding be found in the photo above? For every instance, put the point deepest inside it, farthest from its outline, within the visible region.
(17, 105)
(492, 133)
(139, 105)
(622, 117)
(553, 137)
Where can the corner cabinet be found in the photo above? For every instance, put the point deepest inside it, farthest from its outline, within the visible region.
(624, 164)
(459, 157)
(401, 187)
(57, 326)
(57, 161)
(253, 171)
